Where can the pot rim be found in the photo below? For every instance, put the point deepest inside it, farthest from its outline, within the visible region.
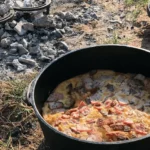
(65, 135)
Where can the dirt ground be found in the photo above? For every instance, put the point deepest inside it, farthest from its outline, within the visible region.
(19, 128)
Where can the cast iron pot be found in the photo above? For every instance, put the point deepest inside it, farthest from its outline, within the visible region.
(114, 57)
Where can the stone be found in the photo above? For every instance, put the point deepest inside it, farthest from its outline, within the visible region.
(4, 8)
(34, 50)
(56, 33)
(20, 67)
(5, 42)
(60, 52)
(19, 28)
(19, 3)
(14, 45)
(17, 37)
(5, 35)
(24, 43)
(45, 21)
(12, 24)
(69, 16)
(28, 26)
(7, 27)
(44, 38)
(1, 32)
(13, 50)
(61, 14)
(22, 50)
(44, 58)
(62, 45)
(29, 36)
(28, 61)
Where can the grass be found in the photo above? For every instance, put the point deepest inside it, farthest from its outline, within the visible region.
(17, 119)
(136, 2)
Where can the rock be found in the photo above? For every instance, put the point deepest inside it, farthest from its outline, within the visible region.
(61, 14)
(34, 50)
(68, 30)
(45, 21)
(44, 38)
(44, 58)
(19, 28)
(56, 33)
(12, 24)
(5, 42)
(24, 43)
(7, 27)
(94, 15)
(4, 8)
(28, 26)
(29, 36)
(18, 65)
(62, 45)
(13, 50)
(22, 50)
(69, 16)
(14, 45)
(28, 61)
(19, 3)
(5, 35)
(1, 32)
(60, 52)
(17, 37)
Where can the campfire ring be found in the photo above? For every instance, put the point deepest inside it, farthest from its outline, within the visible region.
(45, 6)
(8, 17)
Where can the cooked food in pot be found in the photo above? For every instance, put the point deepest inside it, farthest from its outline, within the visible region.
(101, 106)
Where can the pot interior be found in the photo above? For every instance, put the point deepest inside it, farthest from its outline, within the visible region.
(113, 57)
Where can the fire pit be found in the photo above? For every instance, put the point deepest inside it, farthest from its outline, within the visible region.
(29, 7)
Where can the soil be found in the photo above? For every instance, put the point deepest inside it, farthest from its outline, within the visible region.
(118, 24)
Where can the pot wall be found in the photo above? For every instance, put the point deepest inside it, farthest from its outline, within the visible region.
(118, 58)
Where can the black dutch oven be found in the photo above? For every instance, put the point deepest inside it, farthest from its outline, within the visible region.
(114, 57)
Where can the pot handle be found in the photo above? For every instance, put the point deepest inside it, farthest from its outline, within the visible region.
(29, 92)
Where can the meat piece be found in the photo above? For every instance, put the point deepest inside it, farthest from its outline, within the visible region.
(82, 103)
(107, 128)
(140, 129)
(74, 129)
(119, 135)
(84, 110)
(88, 84)
(55, 97)
(95, 137)
(100, 122)
(75, 115)
(96, 103)
(108, 103)
(117, 127)
(68, 112)
(110, 87)
(90, 121)
(128, 122)
(83, 128)
(64, 116)
(55, 105)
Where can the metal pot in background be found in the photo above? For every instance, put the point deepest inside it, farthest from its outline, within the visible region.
(119, 58)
